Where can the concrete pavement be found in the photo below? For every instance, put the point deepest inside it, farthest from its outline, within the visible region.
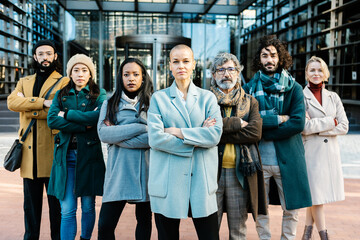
(343, 218)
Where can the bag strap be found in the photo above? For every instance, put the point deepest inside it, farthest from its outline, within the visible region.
(34, 120)
(52, 87)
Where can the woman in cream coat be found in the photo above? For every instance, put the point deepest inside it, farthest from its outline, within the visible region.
(325, 119)
(185, 125)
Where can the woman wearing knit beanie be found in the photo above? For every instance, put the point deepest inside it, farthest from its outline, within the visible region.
(78, 168)
(325, 119)
(123, 125)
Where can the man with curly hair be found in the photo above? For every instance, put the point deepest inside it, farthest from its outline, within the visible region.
(281, 106)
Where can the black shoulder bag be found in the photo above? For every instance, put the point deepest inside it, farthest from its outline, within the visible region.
(13, 158)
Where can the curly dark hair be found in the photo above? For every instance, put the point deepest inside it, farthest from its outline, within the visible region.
(144, 94)
(285, 60)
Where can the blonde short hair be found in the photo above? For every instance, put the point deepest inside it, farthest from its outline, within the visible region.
(323, 65)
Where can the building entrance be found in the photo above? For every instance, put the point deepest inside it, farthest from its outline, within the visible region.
(153, 51)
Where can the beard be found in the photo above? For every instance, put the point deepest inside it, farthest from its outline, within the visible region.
(226, 85)
(50, 67)
(269, 72)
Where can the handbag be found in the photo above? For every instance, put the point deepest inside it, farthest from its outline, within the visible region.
(13, 158)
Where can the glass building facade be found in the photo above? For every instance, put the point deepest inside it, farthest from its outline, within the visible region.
(326, 28)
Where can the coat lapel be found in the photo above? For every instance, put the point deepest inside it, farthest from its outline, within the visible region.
(191, 98)
(325, 99)
(313, 101)
(28, 86)
(176, 101)
(50, 81)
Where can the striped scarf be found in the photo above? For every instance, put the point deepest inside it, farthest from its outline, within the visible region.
(269, 91)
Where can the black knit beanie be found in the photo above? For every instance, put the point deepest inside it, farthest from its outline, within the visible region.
(42, 43)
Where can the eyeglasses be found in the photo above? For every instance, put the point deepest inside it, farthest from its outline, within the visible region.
(221, 71)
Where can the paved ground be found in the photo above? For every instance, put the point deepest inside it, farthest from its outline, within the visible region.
(343, 218)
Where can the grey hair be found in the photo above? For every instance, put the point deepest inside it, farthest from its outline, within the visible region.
(222, 58)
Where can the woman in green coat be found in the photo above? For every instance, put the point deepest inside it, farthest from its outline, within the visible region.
(78, 167)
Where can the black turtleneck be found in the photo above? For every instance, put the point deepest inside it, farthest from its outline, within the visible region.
(131, 95)
(41, 76)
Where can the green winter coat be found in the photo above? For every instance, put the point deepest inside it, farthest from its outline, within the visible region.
(90, 166)
(289, 148)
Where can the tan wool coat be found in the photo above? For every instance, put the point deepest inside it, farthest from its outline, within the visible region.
(322, 151)
(33, 107)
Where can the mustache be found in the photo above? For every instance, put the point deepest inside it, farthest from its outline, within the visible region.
(269, 64)
(226, 79)
(45, 61)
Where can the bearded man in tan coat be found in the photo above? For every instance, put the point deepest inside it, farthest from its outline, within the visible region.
(28, 98)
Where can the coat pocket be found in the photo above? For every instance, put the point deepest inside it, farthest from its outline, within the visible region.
(158, 174)
(59, 150)
(210, 160)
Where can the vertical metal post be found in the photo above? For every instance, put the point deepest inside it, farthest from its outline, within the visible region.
(154, 63)
(115, 63)
(101, 51)
(65, 46)
(204, 59)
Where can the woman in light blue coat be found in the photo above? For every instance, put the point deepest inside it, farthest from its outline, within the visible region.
(123, 126)
(185, 126)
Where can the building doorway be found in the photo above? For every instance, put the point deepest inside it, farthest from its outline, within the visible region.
(153, 51)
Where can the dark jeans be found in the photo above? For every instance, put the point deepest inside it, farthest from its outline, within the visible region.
(206, 227)
(33, 200)
(110, 213)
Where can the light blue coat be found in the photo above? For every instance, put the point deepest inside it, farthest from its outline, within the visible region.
(183, 172)
(127, 164)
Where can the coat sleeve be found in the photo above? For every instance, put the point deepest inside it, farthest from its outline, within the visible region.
(235, 134)
(57, 122)
(42, 113)
(23, 104)
(117, 133)
(88, 118)
(296, 122)
(206, 137)
(343, 123)
(140, 141)
(158, 139)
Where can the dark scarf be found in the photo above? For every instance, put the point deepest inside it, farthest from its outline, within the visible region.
(249, 161)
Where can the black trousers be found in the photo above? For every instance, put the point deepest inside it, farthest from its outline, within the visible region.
(110, 213)
(33, 201)
(206, 227)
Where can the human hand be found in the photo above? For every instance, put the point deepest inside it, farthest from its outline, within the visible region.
(61, 113)
(107, 123)
(209, 122)
(244, 123)
(47, 103)
(284, 118)
(20, 94)
(174, 131)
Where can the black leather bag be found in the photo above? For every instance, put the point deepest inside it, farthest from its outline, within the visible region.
(13, 158)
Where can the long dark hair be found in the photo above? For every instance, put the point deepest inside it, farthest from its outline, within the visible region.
(144, 94)
(94, 90)
(285, 60)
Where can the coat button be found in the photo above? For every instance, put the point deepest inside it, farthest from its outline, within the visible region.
(87, 96)
(29, 147)
(191, 174)
(35, 113)
(66, 109)
(64, 99)
(325, 141)
(83, 104)
(88, 143)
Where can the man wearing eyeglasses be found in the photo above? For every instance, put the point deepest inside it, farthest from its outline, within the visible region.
(281, 104)
(240, 179)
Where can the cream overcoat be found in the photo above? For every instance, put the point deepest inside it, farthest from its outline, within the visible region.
(322, 151)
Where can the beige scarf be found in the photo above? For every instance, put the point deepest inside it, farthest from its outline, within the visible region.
(235, 98)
